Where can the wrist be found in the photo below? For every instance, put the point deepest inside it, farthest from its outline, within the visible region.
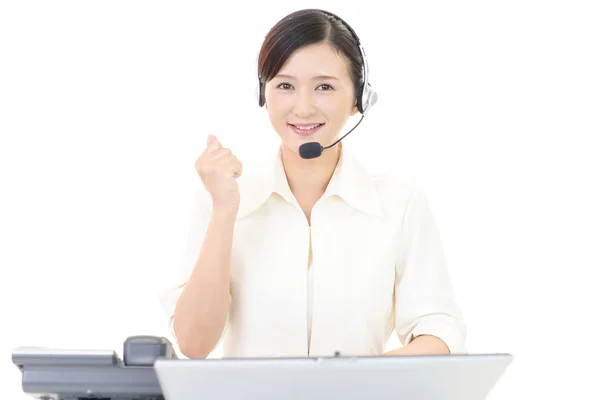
(225, 213)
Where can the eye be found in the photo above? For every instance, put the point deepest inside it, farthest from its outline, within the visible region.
(284, 86)
(325, 87)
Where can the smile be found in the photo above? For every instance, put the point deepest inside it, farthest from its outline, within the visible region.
(305, 129)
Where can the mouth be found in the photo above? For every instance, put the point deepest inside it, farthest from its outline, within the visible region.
(306, 129)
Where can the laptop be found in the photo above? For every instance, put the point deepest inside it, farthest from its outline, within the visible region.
(441, 377)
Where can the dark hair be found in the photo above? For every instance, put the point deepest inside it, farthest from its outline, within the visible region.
(302, 28)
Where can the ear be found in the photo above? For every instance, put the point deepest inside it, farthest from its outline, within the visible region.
(354, 111)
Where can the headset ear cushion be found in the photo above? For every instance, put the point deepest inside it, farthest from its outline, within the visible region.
(260, 93)
(369, 98)
(373, 96)
(257, 91)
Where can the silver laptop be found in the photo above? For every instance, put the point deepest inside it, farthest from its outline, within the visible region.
(464, 377)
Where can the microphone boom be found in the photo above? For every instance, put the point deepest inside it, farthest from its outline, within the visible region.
(314, 149)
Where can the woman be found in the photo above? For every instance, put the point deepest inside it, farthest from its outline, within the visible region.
(312, 255)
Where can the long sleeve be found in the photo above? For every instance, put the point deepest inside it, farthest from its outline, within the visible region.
(424, 295)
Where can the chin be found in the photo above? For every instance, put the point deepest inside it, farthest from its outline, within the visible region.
(292, 147)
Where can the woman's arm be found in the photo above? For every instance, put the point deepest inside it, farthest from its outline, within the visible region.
(428, 319)
(201, 310)
(421, 345)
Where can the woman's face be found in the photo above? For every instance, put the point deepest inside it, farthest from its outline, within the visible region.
(312, 97)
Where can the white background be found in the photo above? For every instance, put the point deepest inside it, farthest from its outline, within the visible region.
(493, 107)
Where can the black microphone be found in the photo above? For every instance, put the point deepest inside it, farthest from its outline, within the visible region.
(314, 149)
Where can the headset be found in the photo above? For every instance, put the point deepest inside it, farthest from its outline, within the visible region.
(366, 96)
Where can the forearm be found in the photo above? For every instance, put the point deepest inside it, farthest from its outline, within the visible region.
(421, 345)
(201, 311)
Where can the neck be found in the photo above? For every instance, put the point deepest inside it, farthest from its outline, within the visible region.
(313, 175)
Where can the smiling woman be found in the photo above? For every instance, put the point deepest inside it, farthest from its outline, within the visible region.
(317, 59)
(312, 254)
(312, 97)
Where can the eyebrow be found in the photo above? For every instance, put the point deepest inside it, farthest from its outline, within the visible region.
(320, 77)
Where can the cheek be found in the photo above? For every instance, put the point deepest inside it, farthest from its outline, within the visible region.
(334, 108)
(277, 114)
(277, 105)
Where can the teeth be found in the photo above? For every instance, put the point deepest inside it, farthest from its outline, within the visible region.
(306, 128)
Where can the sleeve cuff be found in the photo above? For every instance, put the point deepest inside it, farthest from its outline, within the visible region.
(450, 330)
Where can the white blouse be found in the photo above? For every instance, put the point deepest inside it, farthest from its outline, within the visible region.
(376, 267)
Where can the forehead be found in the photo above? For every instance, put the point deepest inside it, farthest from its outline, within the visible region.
(316, 59)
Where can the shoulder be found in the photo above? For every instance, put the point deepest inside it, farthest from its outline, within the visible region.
(395, 188)
(397, 194)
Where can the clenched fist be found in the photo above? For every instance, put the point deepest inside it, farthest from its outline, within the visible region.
(219, 169)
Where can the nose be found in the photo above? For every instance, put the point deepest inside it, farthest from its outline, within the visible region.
(304, 106)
